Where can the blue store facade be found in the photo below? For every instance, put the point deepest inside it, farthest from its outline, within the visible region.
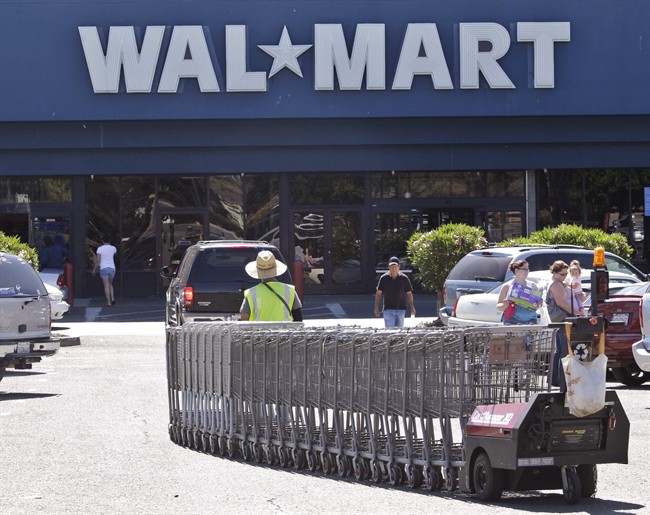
(340, 127)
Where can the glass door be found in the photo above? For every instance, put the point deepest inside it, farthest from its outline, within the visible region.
(176, 232)
(329, 242)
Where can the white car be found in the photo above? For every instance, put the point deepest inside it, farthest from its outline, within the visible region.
(59, 307)
(55, 278)
(481, 308)
(641, 349)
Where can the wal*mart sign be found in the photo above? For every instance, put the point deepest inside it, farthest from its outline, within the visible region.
(480, 47)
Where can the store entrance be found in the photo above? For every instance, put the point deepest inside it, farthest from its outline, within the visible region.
(330, 241)
(177, 230)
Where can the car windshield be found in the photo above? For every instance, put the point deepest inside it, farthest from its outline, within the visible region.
(229, 265)
(17, 277)
(481, 266)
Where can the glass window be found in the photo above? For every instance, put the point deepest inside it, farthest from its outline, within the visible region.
(181, 191)
(262, 208)
(504, 224)
(504, 183)
(52, 189)
(594, 198)
(226, 207)
(102, 214)
(311, 189)
(15, 190)
(138, 246)
(433, 184)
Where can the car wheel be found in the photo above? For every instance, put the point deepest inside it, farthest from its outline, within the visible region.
(630, 375)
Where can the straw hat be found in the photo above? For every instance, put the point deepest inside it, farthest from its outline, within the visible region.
(265, 266)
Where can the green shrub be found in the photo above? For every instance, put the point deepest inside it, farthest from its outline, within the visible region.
(436, 252)
(13, 245)
(575, 235)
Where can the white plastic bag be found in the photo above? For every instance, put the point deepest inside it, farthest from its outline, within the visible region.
(585, 383)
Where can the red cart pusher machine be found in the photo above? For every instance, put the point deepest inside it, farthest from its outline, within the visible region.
(425, 407)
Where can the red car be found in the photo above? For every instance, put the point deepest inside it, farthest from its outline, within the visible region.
(623, 330)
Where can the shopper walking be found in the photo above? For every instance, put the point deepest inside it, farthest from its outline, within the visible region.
(396, 289)
(105, 263)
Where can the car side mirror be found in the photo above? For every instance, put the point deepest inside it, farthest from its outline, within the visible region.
(167, 272)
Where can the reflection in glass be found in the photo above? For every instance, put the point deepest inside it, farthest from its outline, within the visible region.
(506, 184)
(346, 248)
(138, 223)
(309, 240)
(503, 225)
(102, 215)
(262, 208)
(226, 207)
(312, 189)
(181, 191)
(52, 189)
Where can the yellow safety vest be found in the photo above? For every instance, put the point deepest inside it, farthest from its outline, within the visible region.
(265, 306)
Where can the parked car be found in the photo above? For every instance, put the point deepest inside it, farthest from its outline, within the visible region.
(481, 270)
(210, 281)
(623, 330)
(641, 349)
(481, 308)
(55, 278)
(25, 336)
(58, 306)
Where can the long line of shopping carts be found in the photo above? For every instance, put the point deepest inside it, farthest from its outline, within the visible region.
(380, 405)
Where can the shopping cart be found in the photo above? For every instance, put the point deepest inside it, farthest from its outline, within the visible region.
(427, 407)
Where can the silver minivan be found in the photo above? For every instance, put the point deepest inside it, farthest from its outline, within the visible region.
(482, 270)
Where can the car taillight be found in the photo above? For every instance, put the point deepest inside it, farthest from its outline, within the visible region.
(641, 313)
(60, 281)
(444, 292)
(453, 311)
(188, 296)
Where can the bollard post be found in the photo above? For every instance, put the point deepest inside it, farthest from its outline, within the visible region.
(299, 279)
(68, 280)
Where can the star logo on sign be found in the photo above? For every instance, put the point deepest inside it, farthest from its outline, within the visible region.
(285, 54)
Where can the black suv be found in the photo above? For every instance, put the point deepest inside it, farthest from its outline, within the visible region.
(210, 281)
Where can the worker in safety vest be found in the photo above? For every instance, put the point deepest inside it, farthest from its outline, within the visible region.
(271, 300)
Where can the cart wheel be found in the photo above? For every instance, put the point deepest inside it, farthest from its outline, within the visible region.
(414, 476)
(359, 469)
(376, 471)
(488, 482)
(232, 448)
(223, 446)
(198, 437)
(572, 488)
(433, 477)
(299, 459)
(258, 453)
(214, 445)
(394, 474)
(327, 464)
(588, 475)
(313, 463)
(205, 442)
(451, 480)
(342, 465)
(270, 454)
(283, 457)
(246, 451)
